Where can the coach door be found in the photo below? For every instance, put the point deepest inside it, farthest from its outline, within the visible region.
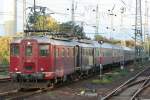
(29, 56)
(77, 57)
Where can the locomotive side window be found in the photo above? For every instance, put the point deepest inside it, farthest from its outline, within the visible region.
(44, 50)
(14, 50)
(57, 52)
(28, 51)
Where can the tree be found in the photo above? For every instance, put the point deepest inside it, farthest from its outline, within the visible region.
(4, 49)
(129, 43)
(46, 23)
(68, 27)
(101, 38)
(38, 19)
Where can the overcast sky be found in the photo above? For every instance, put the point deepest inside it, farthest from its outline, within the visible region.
(84, 12)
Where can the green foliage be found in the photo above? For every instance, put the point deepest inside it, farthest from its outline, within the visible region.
(4, 49)
(102, 81)
(129, 43)
(46, 23)
(68, 27)
(110, 77)
(39, 20)
(101, 38)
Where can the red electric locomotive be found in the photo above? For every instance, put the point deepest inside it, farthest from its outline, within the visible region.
(41, 58)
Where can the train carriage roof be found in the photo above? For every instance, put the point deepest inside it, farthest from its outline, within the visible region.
(67, 42)
(61, 42)
(106, 45)
(45, 40)
(127, 48)
(85, 45)
(117, 47)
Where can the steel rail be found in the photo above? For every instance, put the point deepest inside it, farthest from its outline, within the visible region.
(124, 84)
(141, 88)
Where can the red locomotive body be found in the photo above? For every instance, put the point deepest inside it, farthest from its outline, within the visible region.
(41, 58)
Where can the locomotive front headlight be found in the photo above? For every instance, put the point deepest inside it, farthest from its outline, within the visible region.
(29, 43)
(42, 69)
(16, 69)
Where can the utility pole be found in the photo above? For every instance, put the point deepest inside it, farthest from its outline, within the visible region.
(121, 24)
(97, 20)
(72, 16)
(111, 13)
(122, 15)
(138, 32)
(15, 17)
(146, 34)
(24, 14)
(123, 41)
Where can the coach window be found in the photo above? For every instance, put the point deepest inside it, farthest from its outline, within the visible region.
(87, 53)
(71, 52)
(90, 52)
(44, 50)
(97, 52)
(68, 53)
(14, 50)
(63, 52)
(83, 52)
(57, 52)
(28, 51)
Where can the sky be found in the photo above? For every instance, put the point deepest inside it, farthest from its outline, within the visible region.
(83, 13)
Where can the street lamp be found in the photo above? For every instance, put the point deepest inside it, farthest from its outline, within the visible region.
(100, 66)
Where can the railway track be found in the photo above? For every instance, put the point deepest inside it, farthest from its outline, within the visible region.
(140, 79)
(22, 94)
(5, 80)
(131, 88)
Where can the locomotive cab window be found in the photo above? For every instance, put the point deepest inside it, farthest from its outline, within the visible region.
(28, 51)
(44, 50)
(14, 50)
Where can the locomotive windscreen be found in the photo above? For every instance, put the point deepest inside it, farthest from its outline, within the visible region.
(14, 50)
(28, 51)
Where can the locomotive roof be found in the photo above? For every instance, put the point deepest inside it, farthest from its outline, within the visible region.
(45, 40)
(94, 44)
(39, 39)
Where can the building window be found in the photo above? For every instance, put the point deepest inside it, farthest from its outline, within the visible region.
(28, 51)
(44, 50)
(14, 50)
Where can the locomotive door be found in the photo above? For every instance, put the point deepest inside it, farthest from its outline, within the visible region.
(77, 57)
(29, 56)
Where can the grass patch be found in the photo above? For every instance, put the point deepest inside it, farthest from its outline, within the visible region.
(109, 77)
(50, 93)
(103, 80)
(124, 72)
